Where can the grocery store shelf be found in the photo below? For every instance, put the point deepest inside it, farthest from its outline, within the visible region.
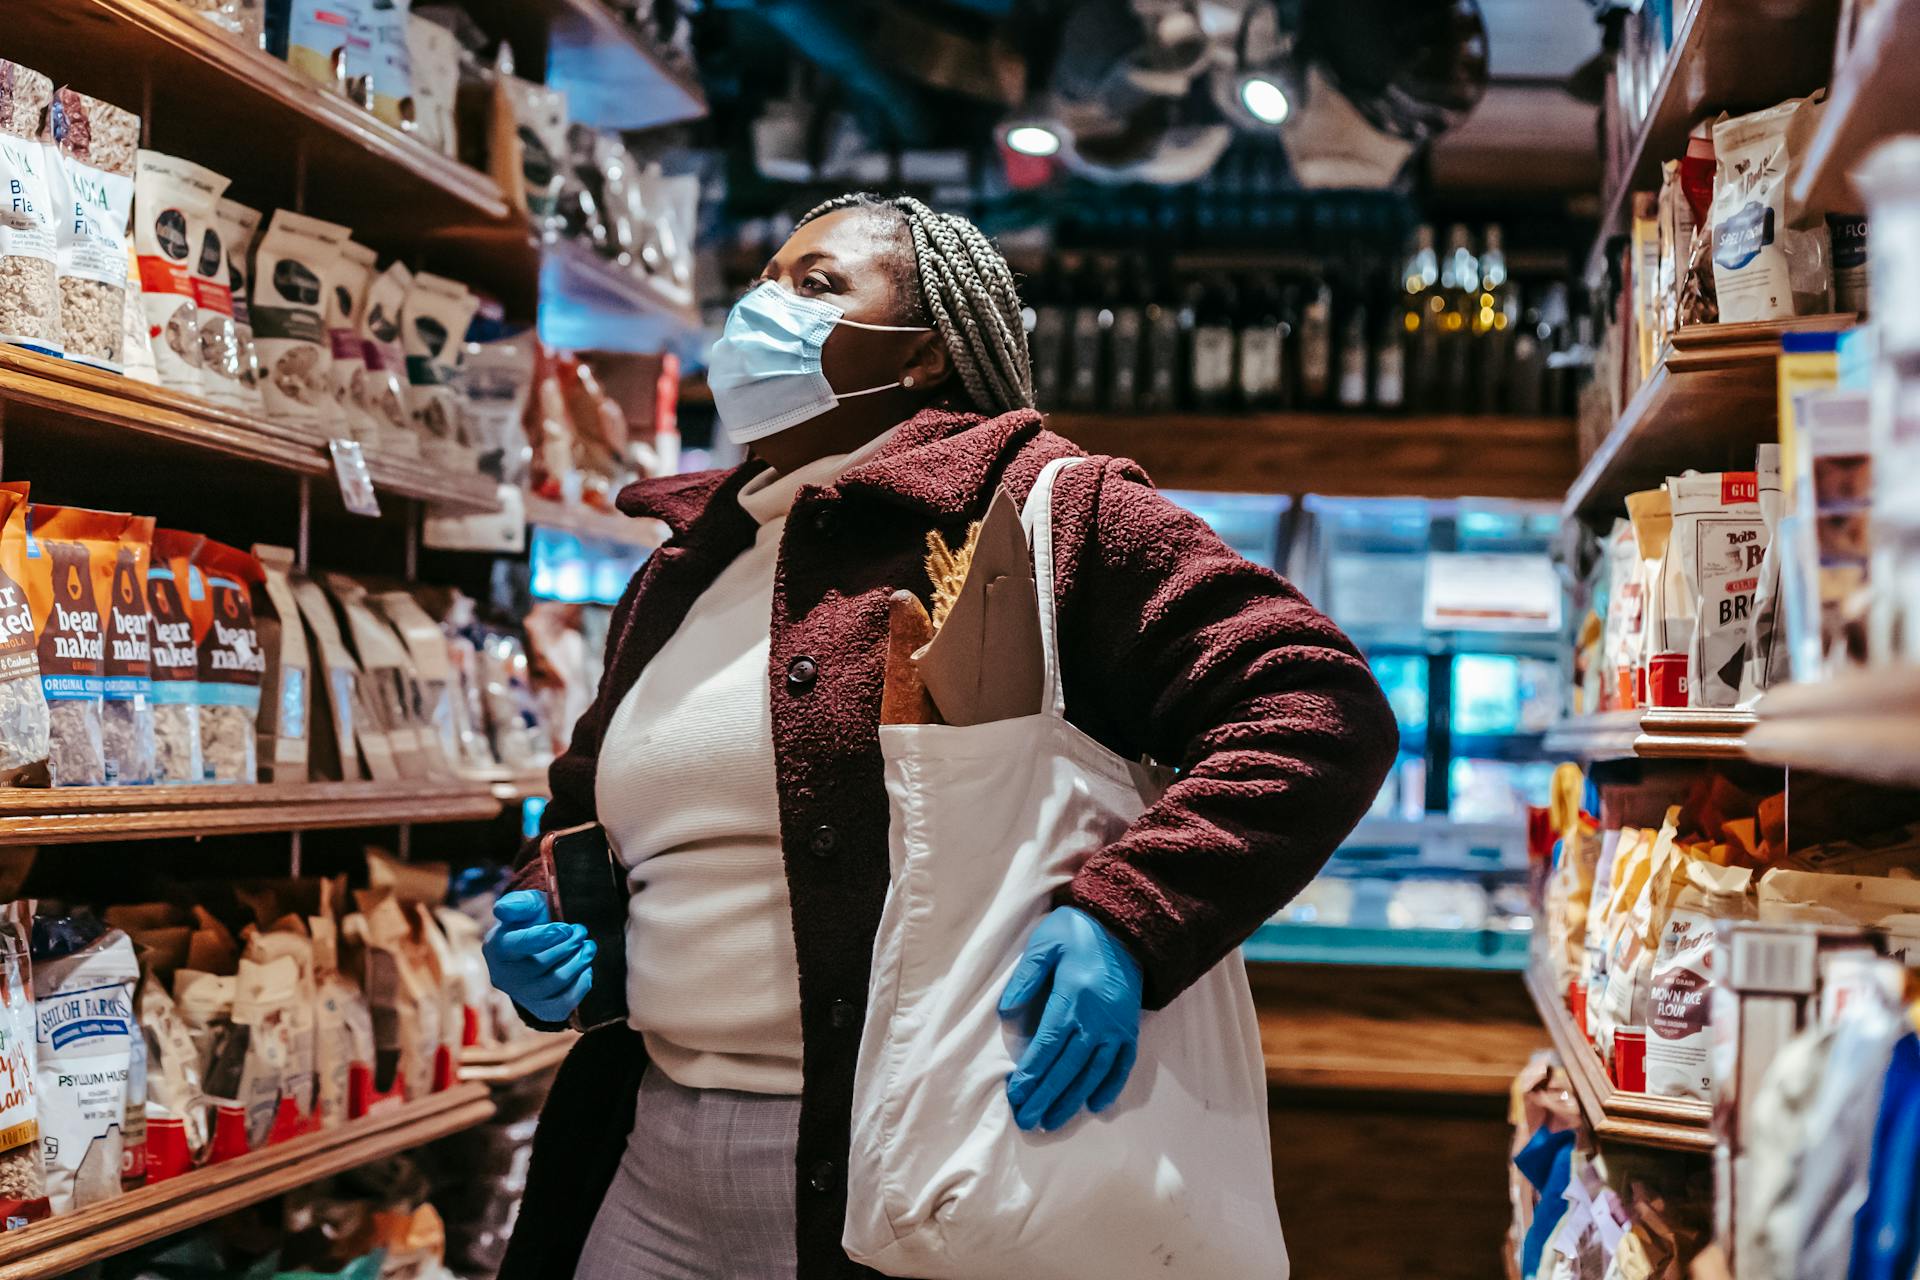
(506, 1064)
(613, 75)
(1863, 725)
(589, 522)
(1710, 401)
(69, 815)
(1638, 1119)
(60, 1245)
(590, 303)
(1875, 95)
(1345, 455)
(1657, 733)
(1726, 55)
(513, 788)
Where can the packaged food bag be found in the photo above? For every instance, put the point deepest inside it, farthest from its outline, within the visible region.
(231, 664)
(404, 996)
(1772, 258)
(1679, 1039)
(346, 298)
(286, 684)
(345, 1078)
(23, 1183)
(433, 331)
(136, 342)
(84, 1041)
(96, 144)
(1812, 897)
(23, 702)
(290, 268)
(299, 1100)
(434, 64)
(385, 674)
(392, 78)
(62, 543)
(467, 968)
(175, 206)
(426, 645)
(224, 366)
(1632, 868)
(238, 227)
(1625, 618)
(126, 725)
(177, 593)
(1590, 982)
(347, 745)
(1651, 514)
(29, 241)
(382, 398)
(1718, 542)
(179, 1122)
(311, 36)
(1766, 655)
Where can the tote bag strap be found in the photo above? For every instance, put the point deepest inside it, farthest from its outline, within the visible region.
(1036, 517)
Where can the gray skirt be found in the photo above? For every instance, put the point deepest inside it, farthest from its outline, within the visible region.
(704, 1192)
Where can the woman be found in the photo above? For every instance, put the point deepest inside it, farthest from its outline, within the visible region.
(879, 371)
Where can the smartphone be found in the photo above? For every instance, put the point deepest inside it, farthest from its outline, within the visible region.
(586, 885)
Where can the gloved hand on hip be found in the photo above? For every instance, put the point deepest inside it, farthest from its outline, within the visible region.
(1089, 1029)
(546, 967)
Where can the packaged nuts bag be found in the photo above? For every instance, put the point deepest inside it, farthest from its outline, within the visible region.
(23, 703)
(238, 227)
(29, 296)
(231, 664)
(346, 299)
(434, 331)
(174, 202)
(96, 145)
(290, 270)
(383, 396)
(176, 592)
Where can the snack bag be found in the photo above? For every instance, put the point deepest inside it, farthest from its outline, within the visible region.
(177, 593)
(346, 297)
(120, 581)
(96, 144)
(62, 543)
(433, 331)
(290, 270)
(29, 248)
(383, 395)
(179, 1125)
(23, 702)
(238, 227)
(231, 664)
(175, 209)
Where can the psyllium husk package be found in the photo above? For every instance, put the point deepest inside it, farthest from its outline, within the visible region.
(23, 1183)
(23, 703)
(84, 1041)
(1719, 539)
(176, 593)
(1679, 1040)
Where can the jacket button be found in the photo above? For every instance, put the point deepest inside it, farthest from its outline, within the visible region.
(801, 673)
(844, 1015)
(823, 841)
(823, 1177)
(824, 519)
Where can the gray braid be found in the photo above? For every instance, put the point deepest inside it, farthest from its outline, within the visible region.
(968, 292)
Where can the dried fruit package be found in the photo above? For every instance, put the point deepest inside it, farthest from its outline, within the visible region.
(29, 297)
(290, 270)
(84, 1039)
(126, 723)
(238, 227)
(231, 664)
(23, 1186)
(433, 330)
(176, 592)
(62, 545)
(383, 394)
(95, 144)
(174, 202)
(23, 704)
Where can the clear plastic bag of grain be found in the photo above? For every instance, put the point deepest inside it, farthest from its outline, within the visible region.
(96, 144)
(23, 704)
(29, 248)
(231, 665)
(177, 594)
(23, 1181)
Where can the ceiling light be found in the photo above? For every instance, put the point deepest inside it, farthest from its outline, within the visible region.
(1263, 99)
(1033, 140)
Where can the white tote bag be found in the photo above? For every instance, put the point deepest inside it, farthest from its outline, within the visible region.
(1175, 1181)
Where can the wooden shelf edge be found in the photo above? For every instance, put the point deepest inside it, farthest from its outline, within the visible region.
(1369, 1076)
(510, 1063)
(587, 522)
(1863, 725)
(1677, 1124)
(1656, 733)
(82, 814)
(59, 1245)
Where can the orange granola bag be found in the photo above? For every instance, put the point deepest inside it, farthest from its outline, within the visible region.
(23, 706)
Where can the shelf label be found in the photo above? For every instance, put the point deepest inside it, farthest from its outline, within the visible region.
(1515, 592)
(356, 482)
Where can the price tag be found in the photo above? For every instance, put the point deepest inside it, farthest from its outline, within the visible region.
(356, 482)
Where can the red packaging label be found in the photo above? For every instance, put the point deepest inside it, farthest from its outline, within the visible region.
(363, 1098)
(213, 296)
(229, 1133)
(1739, 486)
(1630, 1061)
(469, 1026)
(1667, 680)
(157, 275)
(168, 1155)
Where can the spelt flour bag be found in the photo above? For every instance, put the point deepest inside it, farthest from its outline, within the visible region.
(1679, 1041)
(84, 1040)
(62, 543)
(95, 144)
(433, 330)
(382, 397)
(177, 594)
(126, 724)
(23, 702)
(23, 1181)
(1719, 540)
(174, 206)
(1771, 257)
(290, 270)
(231, 664)
(238, 227)
(29, 242)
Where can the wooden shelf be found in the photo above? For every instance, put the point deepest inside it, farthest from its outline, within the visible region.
(1863, 725)
(1655, 734)
(589, 303)
(1347, 455)
(70, 815)
(1875, 95)
(1728, 55)
(1712, 399)
(510, 1063)
(613, 75)
(589, 522)
(59, 1245)
(1638, 1119)
(509, 787)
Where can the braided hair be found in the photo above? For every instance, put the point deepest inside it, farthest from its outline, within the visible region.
(965, 291)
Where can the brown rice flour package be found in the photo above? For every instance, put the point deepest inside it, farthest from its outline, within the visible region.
(1719, 541)
(231, 664)
(176, 593)
(62, 543)
(23, 703)
(1679, 1039)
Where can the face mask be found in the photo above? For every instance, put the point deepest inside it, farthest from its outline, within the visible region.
(765, 369)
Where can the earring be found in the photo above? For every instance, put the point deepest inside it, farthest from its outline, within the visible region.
(907, 381)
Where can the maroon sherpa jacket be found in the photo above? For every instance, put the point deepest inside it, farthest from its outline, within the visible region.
(1172, 646)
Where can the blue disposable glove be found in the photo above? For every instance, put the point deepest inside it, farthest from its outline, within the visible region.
(547, 968)
(1083, 1050)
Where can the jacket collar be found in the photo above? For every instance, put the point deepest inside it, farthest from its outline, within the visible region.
(939, 461)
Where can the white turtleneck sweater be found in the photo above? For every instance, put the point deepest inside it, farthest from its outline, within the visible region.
(687, 792)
